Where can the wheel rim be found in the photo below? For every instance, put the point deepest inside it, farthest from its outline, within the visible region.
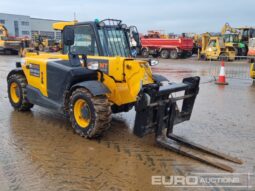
(82, 113)
(164, 54)
(145, 53)
(173, 54)
(15, 93)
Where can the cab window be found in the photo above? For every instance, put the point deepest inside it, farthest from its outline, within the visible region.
(212, 43)
(84, 40)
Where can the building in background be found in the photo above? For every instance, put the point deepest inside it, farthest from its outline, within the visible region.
(25, 26)
(17, 25)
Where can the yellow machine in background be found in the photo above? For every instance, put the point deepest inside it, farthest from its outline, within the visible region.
(3, 31)
(213, 48)
(197, 41)
(157, 34)
(8, 45)
(252, 71)
(233, 38)
(44, 43)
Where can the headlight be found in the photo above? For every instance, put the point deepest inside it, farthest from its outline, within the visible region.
(93, 65)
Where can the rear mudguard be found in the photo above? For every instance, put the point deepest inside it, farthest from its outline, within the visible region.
(157, 108)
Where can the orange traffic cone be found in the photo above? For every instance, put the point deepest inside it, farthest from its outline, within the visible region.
(222, 78)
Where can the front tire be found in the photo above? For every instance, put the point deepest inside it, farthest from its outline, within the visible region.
(17, 92)
(90, 115)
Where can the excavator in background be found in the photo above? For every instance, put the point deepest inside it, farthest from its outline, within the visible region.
(214, 48)
(232, 38)
(239, 37)
(9, 45)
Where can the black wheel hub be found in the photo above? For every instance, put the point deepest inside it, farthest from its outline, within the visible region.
(17, 92)
(85, 112)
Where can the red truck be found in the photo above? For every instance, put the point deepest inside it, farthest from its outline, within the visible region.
(166, 47)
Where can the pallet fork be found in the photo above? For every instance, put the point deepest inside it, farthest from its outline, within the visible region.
(161, 112)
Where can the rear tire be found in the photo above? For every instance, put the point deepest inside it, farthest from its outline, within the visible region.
(17, 92)
(93, 117)
(164, 54)
(173, 54)
(203, 57)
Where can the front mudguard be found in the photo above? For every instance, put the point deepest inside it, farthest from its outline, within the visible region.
(95, 87)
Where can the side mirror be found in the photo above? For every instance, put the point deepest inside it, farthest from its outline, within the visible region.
(68, 36)
(135, 34)
(136, 37)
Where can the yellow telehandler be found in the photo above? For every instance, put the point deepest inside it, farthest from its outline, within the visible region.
(95, 75)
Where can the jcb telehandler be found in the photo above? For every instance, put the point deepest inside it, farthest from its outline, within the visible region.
(95, 76)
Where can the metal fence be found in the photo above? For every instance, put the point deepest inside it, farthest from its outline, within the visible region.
(237, 69)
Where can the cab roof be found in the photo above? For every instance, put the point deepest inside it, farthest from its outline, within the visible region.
(61, 25)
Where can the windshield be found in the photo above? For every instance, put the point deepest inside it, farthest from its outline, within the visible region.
(231, 38)
(114, 42)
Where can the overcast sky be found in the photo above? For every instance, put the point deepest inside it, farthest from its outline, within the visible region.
(168, 15)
